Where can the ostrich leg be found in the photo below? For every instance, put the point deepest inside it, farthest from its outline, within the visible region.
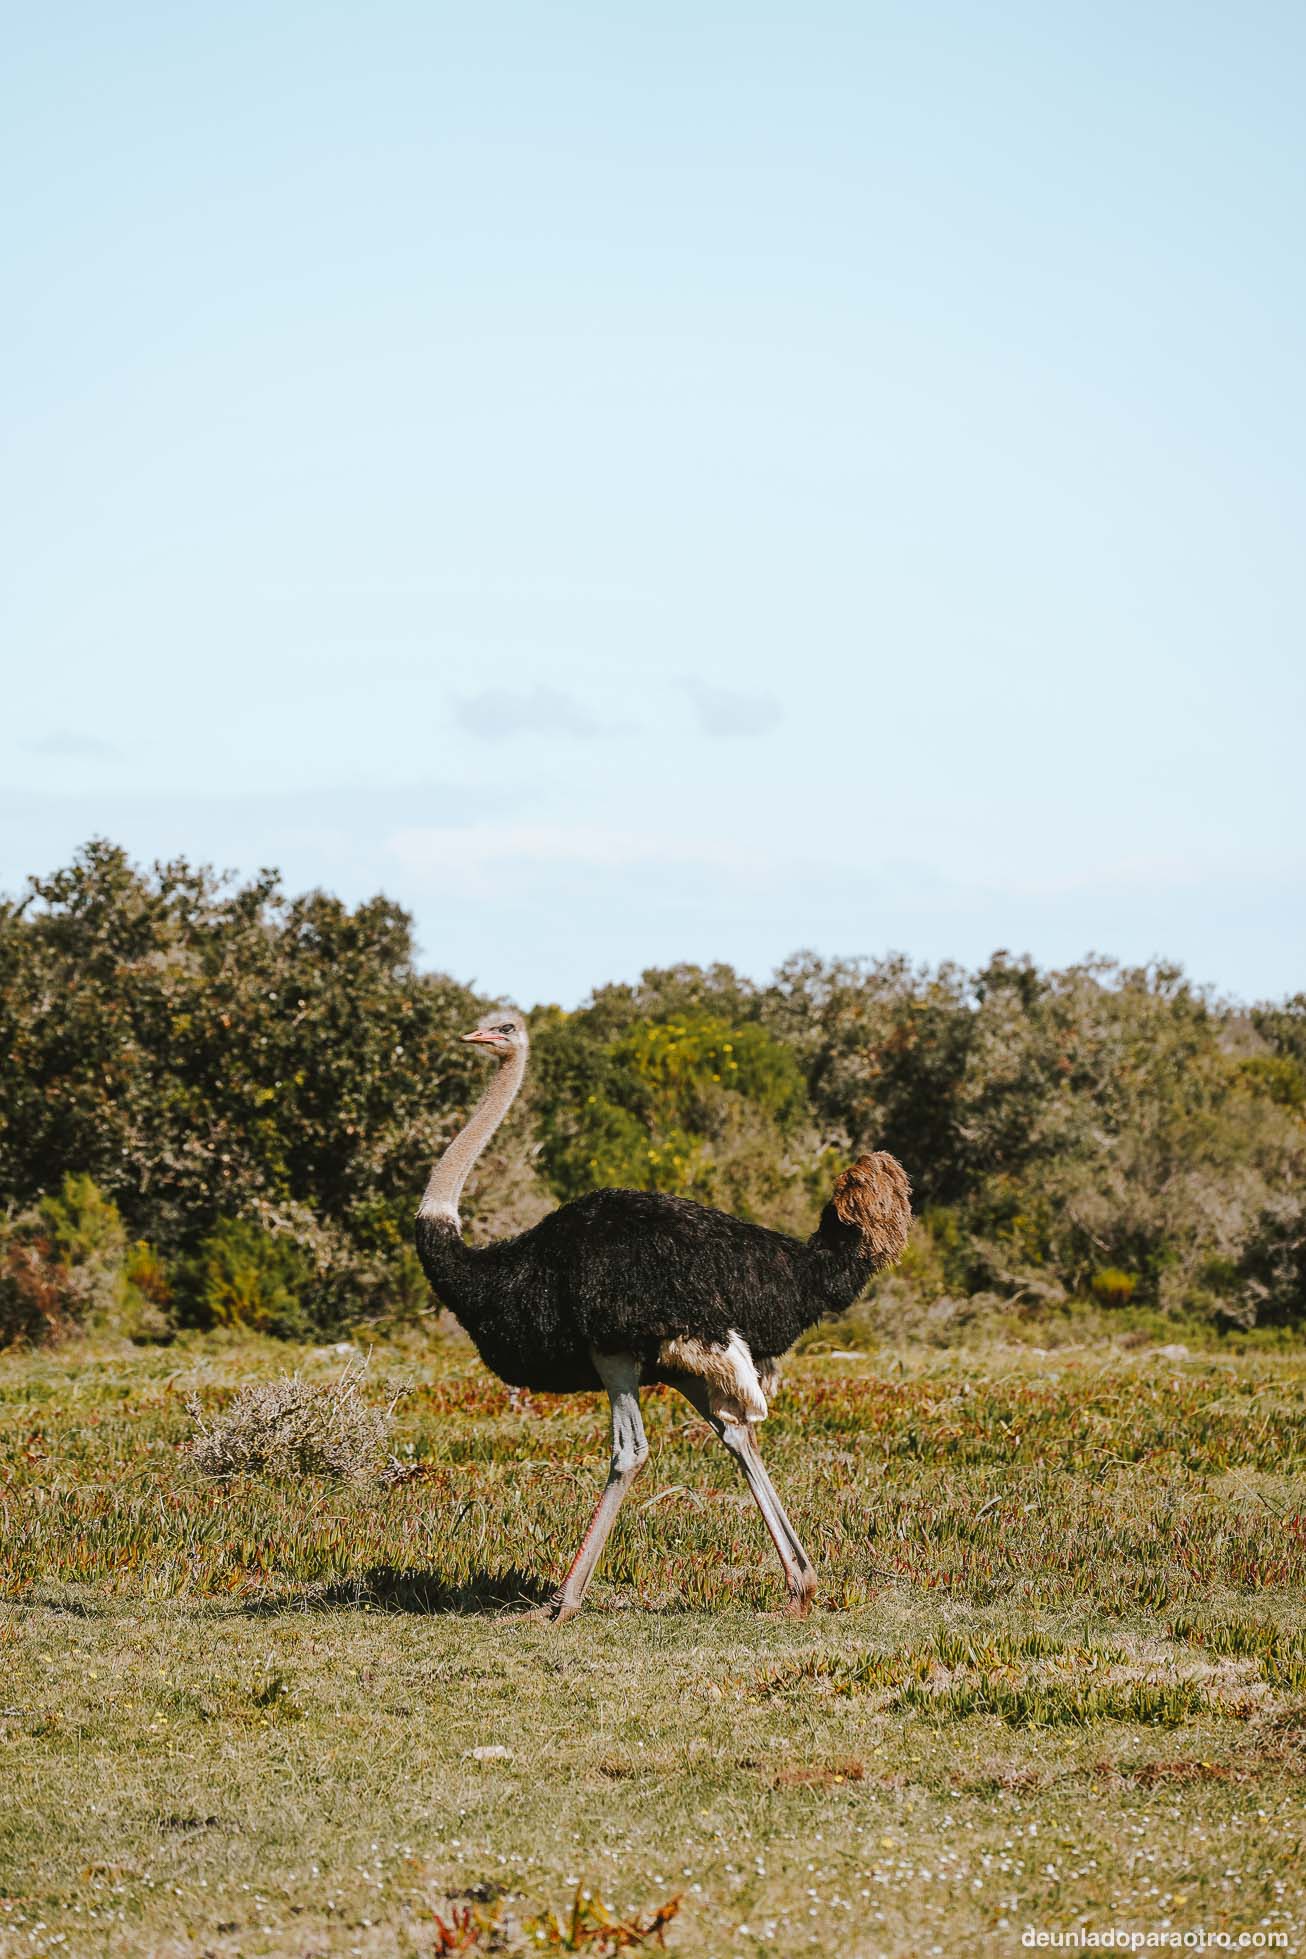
(619, 1374)
(800, 1573)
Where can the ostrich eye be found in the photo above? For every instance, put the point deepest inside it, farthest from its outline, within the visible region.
(506, 1028)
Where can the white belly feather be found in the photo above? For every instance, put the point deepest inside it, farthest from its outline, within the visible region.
(727, 1368)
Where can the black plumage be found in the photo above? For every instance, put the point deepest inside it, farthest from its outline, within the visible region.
(624, 1270)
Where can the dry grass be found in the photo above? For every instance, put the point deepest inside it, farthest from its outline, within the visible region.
(1057, 1670)
(296, 1428)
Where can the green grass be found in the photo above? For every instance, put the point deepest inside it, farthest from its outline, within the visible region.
(1058, 1668)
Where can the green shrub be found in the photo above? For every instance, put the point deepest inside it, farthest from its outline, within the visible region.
(243, 1276)
(88, 1241)
(65, 1266)
(692, 1105)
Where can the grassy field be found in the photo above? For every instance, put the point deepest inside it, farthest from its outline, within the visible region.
(1057, 1673)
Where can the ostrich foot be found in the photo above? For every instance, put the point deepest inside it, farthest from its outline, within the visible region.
(801, 1596)
(554, 1611)
(557, 1610)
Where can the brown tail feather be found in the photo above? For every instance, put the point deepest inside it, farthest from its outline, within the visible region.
(874, 1195)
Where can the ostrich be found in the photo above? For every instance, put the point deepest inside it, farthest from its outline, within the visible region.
(622, 1288)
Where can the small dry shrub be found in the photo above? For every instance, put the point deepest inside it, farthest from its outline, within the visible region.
(293, 1427)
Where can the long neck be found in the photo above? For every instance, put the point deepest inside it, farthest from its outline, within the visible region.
(452, 1170)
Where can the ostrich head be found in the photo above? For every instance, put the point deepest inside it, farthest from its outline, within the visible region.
(502, 1032)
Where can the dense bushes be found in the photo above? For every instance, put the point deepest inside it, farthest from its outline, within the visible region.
(208, 1053)
(1099, 1133)
(218, 1105)
(691, 1103)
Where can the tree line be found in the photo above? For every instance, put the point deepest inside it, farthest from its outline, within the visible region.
(219, 1102)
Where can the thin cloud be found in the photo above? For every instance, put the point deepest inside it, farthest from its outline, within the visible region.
(497, 712)
(723, 712)
(65, 742)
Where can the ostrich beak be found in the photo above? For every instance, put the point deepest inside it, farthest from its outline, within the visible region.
(482, 1037)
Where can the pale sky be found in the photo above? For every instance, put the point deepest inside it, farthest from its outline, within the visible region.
(672, 483)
